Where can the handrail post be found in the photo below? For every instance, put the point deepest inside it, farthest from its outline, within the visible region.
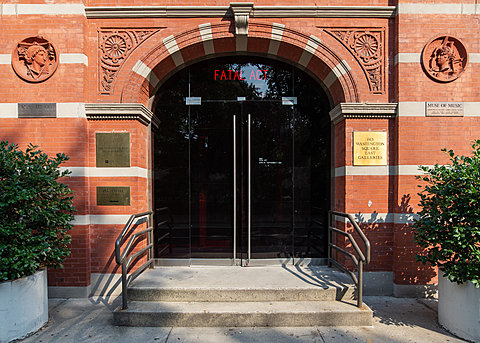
(329, 236)
(360, 284)
(150, 238)
(124, 286)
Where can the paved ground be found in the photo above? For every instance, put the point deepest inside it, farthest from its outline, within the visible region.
(396, 320)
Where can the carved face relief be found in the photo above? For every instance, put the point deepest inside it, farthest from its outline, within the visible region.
(444, 58)
(34, 59)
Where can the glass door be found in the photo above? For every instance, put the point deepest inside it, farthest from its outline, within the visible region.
(267, 180)
(245, 177)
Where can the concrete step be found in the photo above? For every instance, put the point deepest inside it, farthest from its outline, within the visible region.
(232, 314)
(233, 295)
(240, 284)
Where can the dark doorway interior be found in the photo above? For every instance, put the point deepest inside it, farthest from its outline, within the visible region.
(244, 174)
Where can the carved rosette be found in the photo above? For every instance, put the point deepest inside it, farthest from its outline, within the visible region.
(34, 59)
(115, 45)
(367, 45)
(444, 58)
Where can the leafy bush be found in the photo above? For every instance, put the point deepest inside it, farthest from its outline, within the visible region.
(35, 211)
(449, 225)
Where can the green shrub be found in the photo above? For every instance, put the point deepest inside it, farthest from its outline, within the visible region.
(35, 211)
(448, 227)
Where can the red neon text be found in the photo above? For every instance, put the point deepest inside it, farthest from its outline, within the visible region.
(238, 75)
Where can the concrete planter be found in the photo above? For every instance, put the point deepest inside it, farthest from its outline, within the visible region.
(23, 306)
(459, 308)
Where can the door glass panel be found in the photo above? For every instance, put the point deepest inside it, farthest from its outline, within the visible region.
(271, 179)
(211, 179)
(171, 175)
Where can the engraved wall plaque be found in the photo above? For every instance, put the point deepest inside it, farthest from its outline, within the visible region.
(113, 149)
(444, 109)
(113, 196)
(37, 110)
(369, 148)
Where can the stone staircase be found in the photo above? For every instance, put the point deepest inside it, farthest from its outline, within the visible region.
(242, 296)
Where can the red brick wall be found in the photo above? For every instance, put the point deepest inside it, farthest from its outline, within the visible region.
(412, 140)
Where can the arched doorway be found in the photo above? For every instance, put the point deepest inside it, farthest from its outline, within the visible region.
(242, 158)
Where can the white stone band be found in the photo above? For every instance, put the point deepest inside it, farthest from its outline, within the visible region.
(107, 172)
(415, 57)
(220, 11)
(417, 109)
(407, 57)
(143, 70)
(422, 8)
(101, 219)
(341, 69)
(42, 9)
(400, 170)
(388, 218)
(73, 59)
(67, 58)
(172, 47)
(207, 38)
(276, 38)
(64, 110)
(378, 218)
(309, 50)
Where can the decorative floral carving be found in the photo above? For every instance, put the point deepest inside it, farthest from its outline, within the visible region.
(368, 47)
(444, 58)
(115, 45)
(35, 59)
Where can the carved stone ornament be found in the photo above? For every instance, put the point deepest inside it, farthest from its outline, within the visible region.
(115, 45)
(241, 14)
(368, 47)
(35, 59)
(444, 58)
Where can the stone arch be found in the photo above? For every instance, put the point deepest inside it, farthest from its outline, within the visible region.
(268, 40)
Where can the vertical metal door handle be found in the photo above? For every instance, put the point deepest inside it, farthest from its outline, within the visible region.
(234, 190)
(249, 190)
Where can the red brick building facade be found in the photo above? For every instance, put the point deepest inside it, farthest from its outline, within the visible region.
(378, 62)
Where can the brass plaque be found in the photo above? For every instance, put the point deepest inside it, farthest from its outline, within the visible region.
(369, 148)
(113, 149)
(113, 196)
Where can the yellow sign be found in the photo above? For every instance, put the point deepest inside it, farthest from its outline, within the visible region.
(369, 148)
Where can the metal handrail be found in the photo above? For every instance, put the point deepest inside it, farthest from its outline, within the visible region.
(359, 260)
(124, 259)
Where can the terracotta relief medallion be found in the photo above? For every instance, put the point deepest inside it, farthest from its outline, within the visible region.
(444, 58)
(35, 59)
